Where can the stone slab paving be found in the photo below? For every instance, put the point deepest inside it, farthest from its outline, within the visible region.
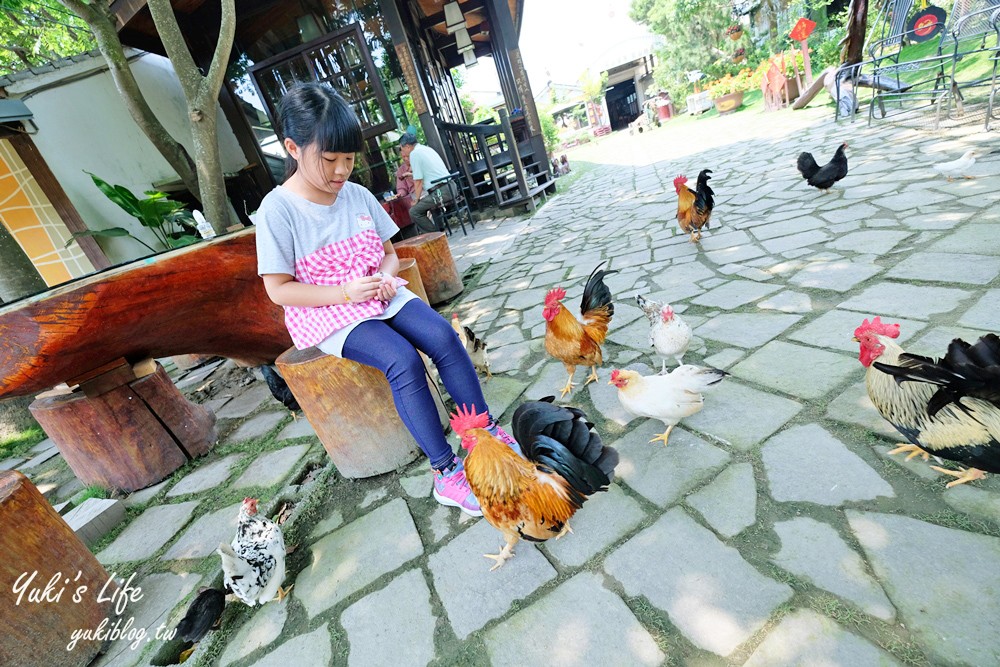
(246, 402)
(710, 593)
(393, 626)
(309, 649)
(472, 595)
(946, 267)
(664, 474)
(729, 503)
(796, 370)
(269, 469)
(144, 495)
(357, 554)
(258, 632)
(299, 428)
(734, 294)
(904, 300)
(953, 617)
(806, 463)
(206, 477)
(204, 535)
(746, 329)
(806, 638)
(257, 426)
(985, 314)
(814, 551)
(602, 521)
(148, 532)
(580, 623)
(835, 329)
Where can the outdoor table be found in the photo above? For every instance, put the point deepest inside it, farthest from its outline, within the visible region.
(126, 425)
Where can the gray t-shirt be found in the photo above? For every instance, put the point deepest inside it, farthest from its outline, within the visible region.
(325, 245)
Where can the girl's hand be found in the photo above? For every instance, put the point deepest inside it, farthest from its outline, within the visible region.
(387, 289)
(363, 289)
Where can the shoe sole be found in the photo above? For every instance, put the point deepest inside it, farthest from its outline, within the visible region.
(448, 502)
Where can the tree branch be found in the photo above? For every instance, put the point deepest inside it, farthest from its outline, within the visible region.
(175, 46)
(224, 47)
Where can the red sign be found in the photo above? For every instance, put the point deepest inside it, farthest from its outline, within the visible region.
(802, 29)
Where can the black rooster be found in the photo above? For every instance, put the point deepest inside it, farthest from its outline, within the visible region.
(823, 177)
(279, 389)
(202, 615)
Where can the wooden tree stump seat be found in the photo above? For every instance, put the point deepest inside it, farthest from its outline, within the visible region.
(437, 266)
(351, 408)
(35, 538)
(409, 272)
(125, 432)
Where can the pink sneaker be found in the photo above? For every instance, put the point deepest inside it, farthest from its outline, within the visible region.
(502, 435)
(452, 489)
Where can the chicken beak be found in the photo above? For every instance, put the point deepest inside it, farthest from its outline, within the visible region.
(855, 339)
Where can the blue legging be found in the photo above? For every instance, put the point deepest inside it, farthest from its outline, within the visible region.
(391, 346)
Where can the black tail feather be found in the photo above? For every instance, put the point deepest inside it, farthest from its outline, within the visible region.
(596, 293)
(807, 165)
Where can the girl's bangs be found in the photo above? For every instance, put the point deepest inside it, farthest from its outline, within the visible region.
(339, 130)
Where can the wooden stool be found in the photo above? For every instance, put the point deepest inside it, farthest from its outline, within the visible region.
(35, 538)
(351, 408)
(437, 266)
(125, 432)
(409, 272)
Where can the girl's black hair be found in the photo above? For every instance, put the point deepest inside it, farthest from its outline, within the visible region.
(315, 114)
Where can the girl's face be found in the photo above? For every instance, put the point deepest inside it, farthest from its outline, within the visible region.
(321, 171)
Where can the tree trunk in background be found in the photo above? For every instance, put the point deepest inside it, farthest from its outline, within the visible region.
(854, 41)
(202, 96)
(18, 276)
(101, 20)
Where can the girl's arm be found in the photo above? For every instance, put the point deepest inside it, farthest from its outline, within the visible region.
(284, 290)
(390, 268)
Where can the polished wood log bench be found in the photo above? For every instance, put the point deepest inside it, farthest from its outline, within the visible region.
(437, 266)
(35, 538)
(409, 272)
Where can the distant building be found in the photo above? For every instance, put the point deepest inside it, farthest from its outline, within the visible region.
(565, 103)
(630, 79)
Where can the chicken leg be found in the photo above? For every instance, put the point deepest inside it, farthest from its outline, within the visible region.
(283, 592)
(592, 377)
(565, 529)
(663, 436)
(962, 475)
(913, 451)
(569, 381)
(505, 554)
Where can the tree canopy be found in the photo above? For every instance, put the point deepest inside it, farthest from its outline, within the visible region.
(33, 33)
(694, 29)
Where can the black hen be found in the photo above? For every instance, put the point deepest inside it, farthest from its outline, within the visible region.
(823, 177)
(563, 441)
(279, 388)
(202, 615)
(964, 413)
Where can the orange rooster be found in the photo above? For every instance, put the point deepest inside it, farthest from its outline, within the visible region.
(533, 497)
(575, 343)
(694, 207)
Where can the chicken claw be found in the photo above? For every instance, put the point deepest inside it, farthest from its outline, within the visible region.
(505, 554)
(566, 529)
(592, 377)
(283, 592)
(663, 436)
(913, 451)
(568, 388)
(963, 475)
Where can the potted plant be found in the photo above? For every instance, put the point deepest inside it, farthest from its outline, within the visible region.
(734, 32)
(727, 92)
(739, 55)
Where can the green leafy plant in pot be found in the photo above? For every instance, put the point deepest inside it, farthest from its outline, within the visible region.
(170, 223)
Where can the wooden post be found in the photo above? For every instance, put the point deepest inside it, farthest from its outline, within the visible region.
(437, 267)
(350, 406)
(805, 63)
(129, 436)
(36, 539)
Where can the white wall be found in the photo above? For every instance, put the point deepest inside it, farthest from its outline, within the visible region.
(83, 125)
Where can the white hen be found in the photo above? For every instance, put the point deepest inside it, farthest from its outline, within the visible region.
(254, 564)
(957, 168)
(669, 398)
(669, 335)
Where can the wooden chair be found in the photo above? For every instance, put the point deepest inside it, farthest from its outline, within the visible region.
(437, 267)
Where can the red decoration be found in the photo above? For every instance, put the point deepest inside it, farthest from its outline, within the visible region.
(802, 29)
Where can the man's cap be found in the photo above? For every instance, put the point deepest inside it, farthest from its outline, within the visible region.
(408, 139)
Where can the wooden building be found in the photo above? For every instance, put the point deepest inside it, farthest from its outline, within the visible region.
(391, 59)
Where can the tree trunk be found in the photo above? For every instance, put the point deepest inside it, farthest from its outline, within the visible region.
(857, 24)
(202, 95)
(18, 277)
(99, 17)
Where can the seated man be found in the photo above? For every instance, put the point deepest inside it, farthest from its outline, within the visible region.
(426, 167)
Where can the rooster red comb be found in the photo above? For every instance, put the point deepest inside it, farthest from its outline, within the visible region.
(679, 181)
(555, 295)
(877, 326)
(464, 419)
(614, 374)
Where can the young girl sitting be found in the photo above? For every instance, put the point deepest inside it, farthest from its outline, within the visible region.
(323, 253)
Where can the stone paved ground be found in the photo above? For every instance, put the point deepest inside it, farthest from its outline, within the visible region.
(774, 529)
